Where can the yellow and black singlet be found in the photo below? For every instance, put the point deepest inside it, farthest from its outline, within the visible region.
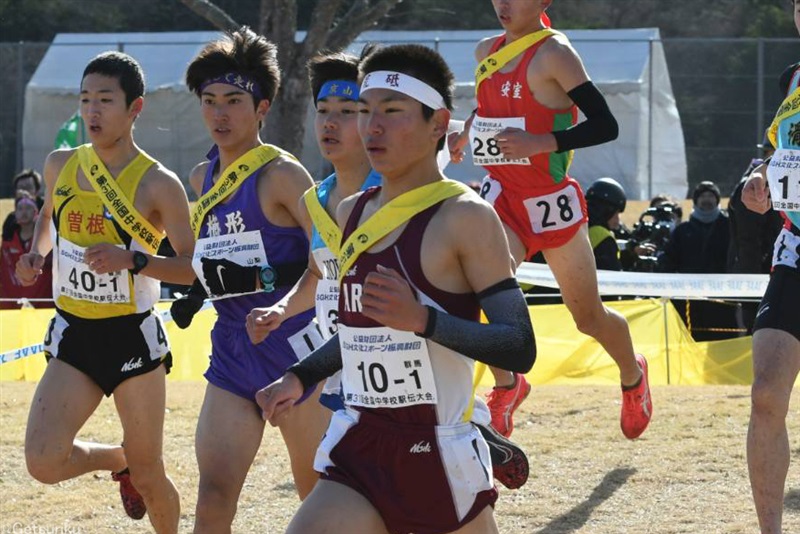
(80, 220)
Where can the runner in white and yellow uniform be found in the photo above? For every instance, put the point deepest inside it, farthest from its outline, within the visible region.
(108, 206)
(776, 333)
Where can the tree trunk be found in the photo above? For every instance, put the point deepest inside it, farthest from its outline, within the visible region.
(285, 123)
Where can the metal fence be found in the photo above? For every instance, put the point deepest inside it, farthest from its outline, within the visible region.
(726, 92)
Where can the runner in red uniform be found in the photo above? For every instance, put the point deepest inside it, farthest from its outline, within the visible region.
(531, 82)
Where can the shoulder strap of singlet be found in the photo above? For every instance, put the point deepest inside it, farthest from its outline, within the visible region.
(500, 58)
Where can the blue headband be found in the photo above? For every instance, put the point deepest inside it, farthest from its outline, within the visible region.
(340, 88)
(238, 80)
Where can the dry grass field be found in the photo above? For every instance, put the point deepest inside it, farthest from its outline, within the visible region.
(687, 474)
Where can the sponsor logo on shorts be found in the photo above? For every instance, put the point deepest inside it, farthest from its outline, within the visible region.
(762, 310)
(131, 365)
(422, 446)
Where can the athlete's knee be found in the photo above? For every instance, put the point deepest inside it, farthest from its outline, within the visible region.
(590, 320)
(43, 465)
(768, 400)
(149, 478)
(216, 496)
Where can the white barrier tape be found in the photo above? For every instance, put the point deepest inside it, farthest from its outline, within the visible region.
(31, 350)
(669, 285)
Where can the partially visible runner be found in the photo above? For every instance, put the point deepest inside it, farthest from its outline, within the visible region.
(530, 84)
(334, 84)
(107, 208)
(250, 245)
(421, 255)
(776, 333)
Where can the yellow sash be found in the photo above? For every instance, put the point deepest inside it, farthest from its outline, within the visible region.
(116, 202)
(500, 59)
(789, 107)
(392, 215)
(230, 180)
(326, 226)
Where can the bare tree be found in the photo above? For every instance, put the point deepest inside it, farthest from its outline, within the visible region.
(333, 26)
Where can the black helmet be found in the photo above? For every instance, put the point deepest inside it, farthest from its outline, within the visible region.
(607, 190)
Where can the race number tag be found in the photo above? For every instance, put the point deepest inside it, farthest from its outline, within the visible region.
(327, 306)
(326, 299)
(306, 340)
(484, 146)
(246, 249)
(783, 175)
(555, 211)
(385, 368)
(490, 189)
(77, 281)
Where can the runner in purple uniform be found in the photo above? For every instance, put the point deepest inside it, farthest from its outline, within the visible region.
(252, 245)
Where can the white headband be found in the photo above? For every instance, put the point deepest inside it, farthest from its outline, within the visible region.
(403, 83)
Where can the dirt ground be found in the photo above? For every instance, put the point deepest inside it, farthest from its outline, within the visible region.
(687, 474)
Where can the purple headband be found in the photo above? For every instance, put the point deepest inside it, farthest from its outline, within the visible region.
(238, 80)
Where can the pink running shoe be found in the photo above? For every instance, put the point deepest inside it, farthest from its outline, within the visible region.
(502, 401)
(132, 500)
(637, 405)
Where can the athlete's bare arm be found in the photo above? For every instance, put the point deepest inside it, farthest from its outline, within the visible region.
(261, 321)
(29, 266)
(197, 176)
(457, 141)
(161, 199)
(280, 188)
(755, 194)
(554, 71)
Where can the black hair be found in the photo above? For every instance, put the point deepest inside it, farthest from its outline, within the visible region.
(28, 173)
(241, 51)
(122, 67)
(334, 66)
(421, 62)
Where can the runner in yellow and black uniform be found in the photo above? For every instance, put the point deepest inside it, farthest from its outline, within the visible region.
(108, 207)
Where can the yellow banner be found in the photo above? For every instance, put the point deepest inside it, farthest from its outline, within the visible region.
(392, 215)
(230, 180)
(500, 59)
(565, 356)
(115, 200)
(326, 226)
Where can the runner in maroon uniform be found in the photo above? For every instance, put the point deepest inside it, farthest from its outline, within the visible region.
(420, 257)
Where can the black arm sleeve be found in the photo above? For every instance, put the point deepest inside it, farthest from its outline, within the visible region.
(599, 127)
(506, 342)
(319, 365)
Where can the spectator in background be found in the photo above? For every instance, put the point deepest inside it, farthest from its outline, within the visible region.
(30, 181)
(700, 245)
(16, 242)
(752, 235)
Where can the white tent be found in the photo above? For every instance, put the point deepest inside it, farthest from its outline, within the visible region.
(627, 65)
(630, 69)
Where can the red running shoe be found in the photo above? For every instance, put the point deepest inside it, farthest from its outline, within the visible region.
(502, 402)
(509, 462)
(132, 500)
(637, 405)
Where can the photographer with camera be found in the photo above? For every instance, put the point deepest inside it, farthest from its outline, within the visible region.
(605, 200)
